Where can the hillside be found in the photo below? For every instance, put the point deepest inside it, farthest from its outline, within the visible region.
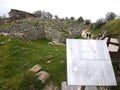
(52, 58)
(33, 36)
(113, 27)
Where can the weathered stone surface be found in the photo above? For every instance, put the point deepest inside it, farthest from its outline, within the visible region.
(56, 43)
(25, 30)
(36, 68)
(51, 87)
(2, 43)
(9, 40)
(43, 76)
(35, 28)
(4, 34)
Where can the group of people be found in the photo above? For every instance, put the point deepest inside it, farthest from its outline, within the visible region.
(88, 35)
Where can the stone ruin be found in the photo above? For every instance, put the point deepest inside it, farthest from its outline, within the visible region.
(43, 76)
(35, 28)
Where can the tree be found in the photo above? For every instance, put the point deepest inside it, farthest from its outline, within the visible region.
(3, 17)
(99, 23)
(43, 14)
(1, 20)
(87, 21)
(49, 15)
(56, 17)
(72, 18)
(80, 19)
(66, 18)
(110, 16)
(38, 14)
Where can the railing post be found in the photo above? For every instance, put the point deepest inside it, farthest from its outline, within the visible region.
(119, 57)
(108, 41)
(23, 66)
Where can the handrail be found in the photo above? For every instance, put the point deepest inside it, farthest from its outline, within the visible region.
(114, 54)
(111, 35)
(109, 38)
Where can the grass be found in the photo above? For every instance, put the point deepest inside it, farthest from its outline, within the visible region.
(113, 27)
(116, 70)
(79, 37)
(51, 58)
(35, 52)
(4, 25)
(96, 32)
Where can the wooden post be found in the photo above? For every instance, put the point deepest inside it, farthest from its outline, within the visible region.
(108, 41)
(119, 57)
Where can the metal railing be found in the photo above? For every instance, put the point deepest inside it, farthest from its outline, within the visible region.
(113, 54)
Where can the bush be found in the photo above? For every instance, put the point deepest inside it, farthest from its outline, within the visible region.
(87, 22)
(99, 23)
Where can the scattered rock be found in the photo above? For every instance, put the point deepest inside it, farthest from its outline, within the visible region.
(9, 40)
(56, 43)
(118, 79)
(4, 34)
(48, 61)
(51, 87)
(118, 72)
(43, 76)
(50, 43)
(57, 49)
(62, 61)
(103, 88)
(36, 68)
(2, 43)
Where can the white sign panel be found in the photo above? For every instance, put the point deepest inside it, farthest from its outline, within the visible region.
(88, 63)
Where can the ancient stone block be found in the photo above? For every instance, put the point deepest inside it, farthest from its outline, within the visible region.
(43, 76)
(36, 68)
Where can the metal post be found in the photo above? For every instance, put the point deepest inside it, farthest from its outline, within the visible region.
(23, 66)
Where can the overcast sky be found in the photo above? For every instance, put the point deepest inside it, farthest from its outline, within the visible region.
(88, 9)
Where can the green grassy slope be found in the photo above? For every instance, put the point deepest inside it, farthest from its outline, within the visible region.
(51, 58)
(113, 26)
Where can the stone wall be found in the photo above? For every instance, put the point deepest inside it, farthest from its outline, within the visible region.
(35, 28)
(24, 30)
